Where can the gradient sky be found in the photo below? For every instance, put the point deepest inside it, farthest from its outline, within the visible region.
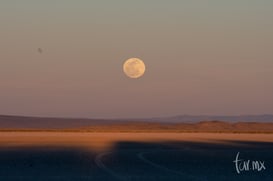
(202, 57)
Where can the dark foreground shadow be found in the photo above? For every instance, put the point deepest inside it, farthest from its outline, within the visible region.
(138, 161)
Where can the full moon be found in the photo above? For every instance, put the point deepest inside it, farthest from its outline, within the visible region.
(134, 68)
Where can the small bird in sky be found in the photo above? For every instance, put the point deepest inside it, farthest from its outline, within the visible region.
(40, 50)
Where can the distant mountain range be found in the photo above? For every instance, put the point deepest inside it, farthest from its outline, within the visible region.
(198, 118)
(23, 122)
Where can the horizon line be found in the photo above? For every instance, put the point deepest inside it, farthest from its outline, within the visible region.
(134, 118)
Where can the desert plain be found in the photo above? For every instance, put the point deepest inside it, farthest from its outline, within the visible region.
(144, 156)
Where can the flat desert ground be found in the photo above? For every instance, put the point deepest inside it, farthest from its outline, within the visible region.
(78, 156)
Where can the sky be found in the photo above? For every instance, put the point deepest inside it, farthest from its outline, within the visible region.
(202, 57)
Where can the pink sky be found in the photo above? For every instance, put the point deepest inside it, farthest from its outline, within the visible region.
(213, 58)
